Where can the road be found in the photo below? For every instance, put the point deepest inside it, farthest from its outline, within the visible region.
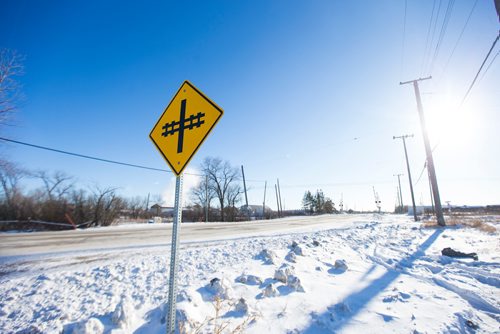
(133, 236)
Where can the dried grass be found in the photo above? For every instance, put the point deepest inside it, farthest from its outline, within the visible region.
(215, 324)
(462, 221)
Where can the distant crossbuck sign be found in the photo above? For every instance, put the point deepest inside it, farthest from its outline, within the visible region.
(184, 125)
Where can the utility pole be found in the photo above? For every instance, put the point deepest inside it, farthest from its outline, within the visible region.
(246, 196)
(277, 200)
(398, 202)
(409, 174)
(428, 151)
(279, 194)
(264, 202)
(400, 192)
(378, 202)
(244, 186)
(341, 205)
(430, 189)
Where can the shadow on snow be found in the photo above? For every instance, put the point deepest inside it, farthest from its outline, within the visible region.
(341, 314)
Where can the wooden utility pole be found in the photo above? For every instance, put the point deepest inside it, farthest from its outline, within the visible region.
(430, 190)
(428, 151)
(277, 200)
(245, 188)
(400, 192)
(264, 202)
(279, 194)
(409, 174)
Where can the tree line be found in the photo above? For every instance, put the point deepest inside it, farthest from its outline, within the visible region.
(318, 203)
(59, 200)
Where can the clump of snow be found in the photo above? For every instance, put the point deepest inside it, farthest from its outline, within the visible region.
(241, 306)
(189, 295)
(185, 323)
(269, 291)
(123, 316)
(339, 311)
(219, 288)
(340, 265)
(30, 330)
(293, 282)
(297, 249)
(281, 274)
(291, 257)
(91, 326)
(268, 256)
(249, 279)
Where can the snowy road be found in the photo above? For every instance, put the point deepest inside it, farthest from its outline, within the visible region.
(130, 236)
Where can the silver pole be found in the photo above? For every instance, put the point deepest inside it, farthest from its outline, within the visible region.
(206, 198)
(172, 286)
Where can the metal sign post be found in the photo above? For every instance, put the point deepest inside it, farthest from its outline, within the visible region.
(178, 134)
(172, 286)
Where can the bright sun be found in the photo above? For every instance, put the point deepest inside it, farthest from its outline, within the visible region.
(447, 123)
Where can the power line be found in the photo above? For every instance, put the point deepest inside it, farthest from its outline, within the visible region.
(487, 68)
(459, 38)
(479, 71)
(427, 37)
(90, 157)
(432, 26)
(442, 32)
(422, 172)
(404, 37)
(335, 184)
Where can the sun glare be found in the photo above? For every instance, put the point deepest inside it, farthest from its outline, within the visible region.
(447, 123)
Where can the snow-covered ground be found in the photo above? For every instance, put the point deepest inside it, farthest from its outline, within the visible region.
(378, 274)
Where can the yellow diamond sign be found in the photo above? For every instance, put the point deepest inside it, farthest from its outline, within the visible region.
(184, 125)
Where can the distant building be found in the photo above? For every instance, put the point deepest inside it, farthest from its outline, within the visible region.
(254, 210)
(159, 210)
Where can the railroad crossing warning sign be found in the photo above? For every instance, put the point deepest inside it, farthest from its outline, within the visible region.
(184, 125)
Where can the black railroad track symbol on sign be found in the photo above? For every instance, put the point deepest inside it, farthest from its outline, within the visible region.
(183, 124)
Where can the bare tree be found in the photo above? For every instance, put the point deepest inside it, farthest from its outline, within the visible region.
(10, 177)
(82, 209)
(11, 66)
(222, 178)
(203, 194)
(233, 196)
(51, 202)
(136, 206)
(106, 206)
(57, 185)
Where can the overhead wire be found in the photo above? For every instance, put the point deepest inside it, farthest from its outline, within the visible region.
(442, 33)
(91, 157)
(427, 39)
(489, 65)
(84, 156)
(479, 71)
(459, 38)
(421, 173)
(403, 42)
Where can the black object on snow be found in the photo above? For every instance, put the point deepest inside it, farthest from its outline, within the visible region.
(471, 324)
(453, 253)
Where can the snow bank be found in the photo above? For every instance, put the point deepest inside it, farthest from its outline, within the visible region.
(393, 279)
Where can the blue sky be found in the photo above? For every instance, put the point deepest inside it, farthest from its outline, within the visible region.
(310, 91)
